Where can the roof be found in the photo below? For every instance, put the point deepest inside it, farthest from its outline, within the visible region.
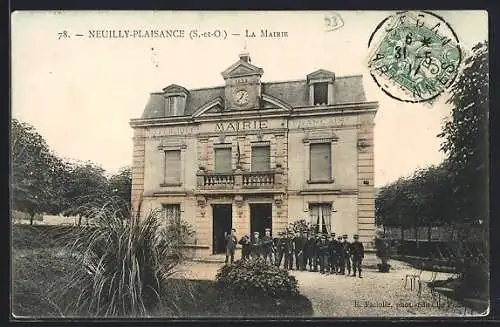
(347, 89)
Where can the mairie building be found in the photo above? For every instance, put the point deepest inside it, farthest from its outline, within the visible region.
(251, 154)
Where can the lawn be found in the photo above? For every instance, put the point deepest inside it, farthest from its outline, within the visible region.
(39, 270)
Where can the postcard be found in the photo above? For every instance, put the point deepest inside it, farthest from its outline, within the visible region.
(250, 164)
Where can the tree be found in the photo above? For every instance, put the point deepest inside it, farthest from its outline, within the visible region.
(120, 184)
(34, 171)
(120, 188)
(424, 199)
(86, 189)
(465, 137)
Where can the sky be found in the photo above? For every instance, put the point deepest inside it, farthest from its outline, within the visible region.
(81, 92)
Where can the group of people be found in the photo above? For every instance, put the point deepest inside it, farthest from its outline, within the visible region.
(307, 250)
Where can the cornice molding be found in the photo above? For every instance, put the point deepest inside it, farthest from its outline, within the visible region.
(298, 112)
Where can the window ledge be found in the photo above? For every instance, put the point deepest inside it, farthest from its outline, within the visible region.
(322, 181)
(170, 184)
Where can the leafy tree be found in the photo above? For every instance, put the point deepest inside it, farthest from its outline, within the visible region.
(86, 189)
(34, 171)
(465, 136)
(424, 199)
(120, 184)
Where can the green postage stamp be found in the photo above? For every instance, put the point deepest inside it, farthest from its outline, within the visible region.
(414, 56)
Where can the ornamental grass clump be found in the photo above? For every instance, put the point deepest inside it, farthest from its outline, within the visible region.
(121, 262)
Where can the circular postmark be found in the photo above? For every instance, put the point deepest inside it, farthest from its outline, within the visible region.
(414, 56)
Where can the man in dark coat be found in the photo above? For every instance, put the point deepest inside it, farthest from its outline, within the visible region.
(288, 249)
(323, 254)
(357, 253)
(256, 245)
(347, 255)
(267, 246)
(246, 247)
(340, 256)
(332, 251)
(231, 241)
(317, 241)
(299, 242)
(309, 251)
(282, 248)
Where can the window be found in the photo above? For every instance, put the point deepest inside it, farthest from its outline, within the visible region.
(223, 160)
(320, 93)
(321, 217)
(172, 212)
(173, 106)
(261, 158)
(320, 162)
(170, 106)
(172, 167)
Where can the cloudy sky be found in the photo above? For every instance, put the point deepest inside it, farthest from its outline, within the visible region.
(80, 92)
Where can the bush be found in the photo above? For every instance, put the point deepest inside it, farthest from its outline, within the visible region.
(256, 277)
(121, 263)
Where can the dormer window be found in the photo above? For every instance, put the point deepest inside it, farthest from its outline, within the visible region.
(173, 106)
(175, 100)
(321, 87)
(320, 93)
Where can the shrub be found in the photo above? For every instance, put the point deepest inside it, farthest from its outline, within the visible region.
(256, 277)
(122, 263)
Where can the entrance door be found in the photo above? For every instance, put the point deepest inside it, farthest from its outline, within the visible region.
(261, 217)
(222, 223)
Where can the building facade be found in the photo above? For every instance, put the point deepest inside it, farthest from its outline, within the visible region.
(252, 155)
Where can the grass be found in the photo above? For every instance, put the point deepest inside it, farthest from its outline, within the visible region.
(40, 269)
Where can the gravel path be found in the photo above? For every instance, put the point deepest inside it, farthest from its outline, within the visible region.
(374, 295)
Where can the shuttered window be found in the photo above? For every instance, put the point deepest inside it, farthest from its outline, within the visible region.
(320, 162)
(261, 158)
(320, 93)
(172, 166)
(223, 160)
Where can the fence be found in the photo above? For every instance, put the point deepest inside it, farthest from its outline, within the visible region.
(436, 233)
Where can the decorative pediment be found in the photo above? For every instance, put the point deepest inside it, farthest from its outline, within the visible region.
(321, 74)
(242, 68)
(276, 102)
(214, 106)
(174, 89)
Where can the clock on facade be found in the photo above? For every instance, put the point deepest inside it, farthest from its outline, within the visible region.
(241, 97)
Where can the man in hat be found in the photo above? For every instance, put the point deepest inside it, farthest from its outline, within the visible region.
(323, 254)
(347, 255)
(340, 256)
(357, 253)
(284, 250)
(246, 247)
(317, 241)
(275, 249)
(332, 251)
(231, 241)
(267, 245)
(288, 249)
(309, 251)
(299, 242)
(256, 245)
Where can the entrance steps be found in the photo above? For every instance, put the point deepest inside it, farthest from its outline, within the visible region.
(214, 258)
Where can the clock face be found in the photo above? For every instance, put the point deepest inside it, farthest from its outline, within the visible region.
(241, 97)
